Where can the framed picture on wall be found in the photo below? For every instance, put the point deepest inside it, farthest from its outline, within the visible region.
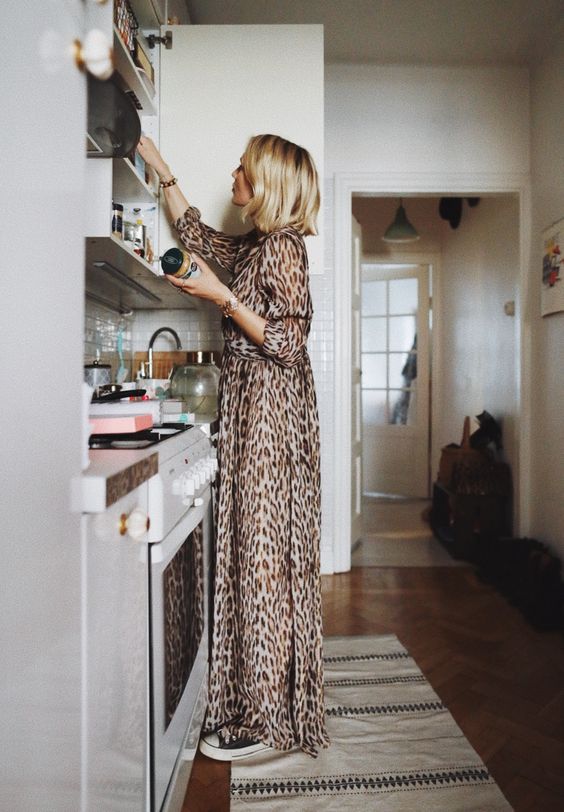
(552, 294)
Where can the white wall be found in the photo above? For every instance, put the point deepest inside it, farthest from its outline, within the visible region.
(419, 120)
(422, 119)
(479, 273)
(547, 167)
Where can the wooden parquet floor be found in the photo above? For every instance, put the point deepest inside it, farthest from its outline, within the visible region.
(502, 681)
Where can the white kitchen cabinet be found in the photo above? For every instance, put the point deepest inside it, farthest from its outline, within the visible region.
(203, 128)
(41, 334)
(115, 628)
(221, 84)
(115, 274)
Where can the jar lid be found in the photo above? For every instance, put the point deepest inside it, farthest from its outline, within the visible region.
(201, 357)
(172, 260)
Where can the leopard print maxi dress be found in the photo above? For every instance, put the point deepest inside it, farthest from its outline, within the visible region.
(266, 676)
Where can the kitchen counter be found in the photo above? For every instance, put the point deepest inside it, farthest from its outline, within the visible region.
(111, 475)
(114, 473)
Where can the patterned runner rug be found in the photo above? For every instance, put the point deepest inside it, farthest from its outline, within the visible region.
(394, 745)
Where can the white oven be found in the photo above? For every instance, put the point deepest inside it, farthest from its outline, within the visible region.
(146, 592)
(179, 586)
(179, 595)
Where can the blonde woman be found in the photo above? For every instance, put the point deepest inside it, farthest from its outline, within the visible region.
(266, 677)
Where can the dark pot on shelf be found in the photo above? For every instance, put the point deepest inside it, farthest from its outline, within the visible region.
(113, 121)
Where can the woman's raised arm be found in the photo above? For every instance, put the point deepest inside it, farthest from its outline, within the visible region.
(174, 199)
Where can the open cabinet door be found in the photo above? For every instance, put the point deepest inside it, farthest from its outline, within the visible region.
(222, 84)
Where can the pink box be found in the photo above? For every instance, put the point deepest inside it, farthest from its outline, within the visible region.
(120, 424)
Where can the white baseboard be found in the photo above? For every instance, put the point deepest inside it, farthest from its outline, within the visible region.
(327, 564)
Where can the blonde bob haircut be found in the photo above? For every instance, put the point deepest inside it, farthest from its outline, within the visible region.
(285, 185)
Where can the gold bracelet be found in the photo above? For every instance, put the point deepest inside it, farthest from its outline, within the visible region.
(164, 184)
(230, 306)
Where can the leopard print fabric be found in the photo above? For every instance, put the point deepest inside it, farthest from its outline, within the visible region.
(184, 607)
(266, 672)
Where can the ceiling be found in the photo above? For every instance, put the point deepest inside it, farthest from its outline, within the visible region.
(429, 32)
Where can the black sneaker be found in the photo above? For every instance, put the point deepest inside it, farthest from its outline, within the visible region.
(231, 748)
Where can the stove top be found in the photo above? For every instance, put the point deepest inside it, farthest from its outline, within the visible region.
(137, 439)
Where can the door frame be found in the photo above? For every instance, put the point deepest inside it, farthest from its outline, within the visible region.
(432, 259)
(432, 184)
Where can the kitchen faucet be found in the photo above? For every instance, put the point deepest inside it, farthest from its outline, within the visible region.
(152, 341)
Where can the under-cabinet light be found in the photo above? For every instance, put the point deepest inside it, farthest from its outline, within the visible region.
(125, 280)
(120, 309)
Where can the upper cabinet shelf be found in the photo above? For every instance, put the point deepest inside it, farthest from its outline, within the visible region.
(128, 186)
(122, 280)
(133, 78)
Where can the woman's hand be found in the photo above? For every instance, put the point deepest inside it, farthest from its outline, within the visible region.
(206, 286)
(150, 154)
(175, 201)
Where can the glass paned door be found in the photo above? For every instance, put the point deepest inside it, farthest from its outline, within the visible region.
(395, 378)
(389, 347)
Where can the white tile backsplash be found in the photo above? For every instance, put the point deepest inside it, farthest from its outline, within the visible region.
(101, 327)
(321, 349)
(197, 329)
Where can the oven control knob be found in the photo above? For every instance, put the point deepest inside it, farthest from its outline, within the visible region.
(204, 472)
(177, 487)
(196, 479)
(188, 486)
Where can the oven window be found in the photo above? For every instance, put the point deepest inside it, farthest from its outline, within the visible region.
(183, 591)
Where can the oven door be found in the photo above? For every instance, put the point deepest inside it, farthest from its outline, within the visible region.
(178, 646)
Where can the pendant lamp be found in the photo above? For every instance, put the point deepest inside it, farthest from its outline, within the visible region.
(401, 229)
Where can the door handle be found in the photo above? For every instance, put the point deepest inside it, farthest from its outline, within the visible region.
(95, 54)
(135, 525)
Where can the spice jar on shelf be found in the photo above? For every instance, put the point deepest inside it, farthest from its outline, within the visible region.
(117, 219)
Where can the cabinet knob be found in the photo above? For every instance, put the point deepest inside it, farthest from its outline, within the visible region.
(95, 54)
(135, 525)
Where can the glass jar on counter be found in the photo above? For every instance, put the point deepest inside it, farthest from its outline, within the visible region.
(196, 383)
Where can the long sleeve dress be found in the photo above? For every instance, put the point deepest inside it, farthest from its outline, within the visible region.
(266, 673)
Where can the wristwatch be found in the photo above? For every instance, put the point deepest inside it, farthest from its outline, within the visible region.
(230, 306)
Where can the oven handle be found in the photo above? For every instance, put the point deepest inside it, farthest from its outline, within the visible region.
(166, 549)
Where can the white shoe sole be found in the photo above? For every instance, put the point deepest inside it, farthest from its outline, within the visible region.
(209, 746)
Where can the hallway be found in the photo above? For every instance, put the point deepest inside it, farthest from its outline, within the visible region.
(502, 681)
(396, 534)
